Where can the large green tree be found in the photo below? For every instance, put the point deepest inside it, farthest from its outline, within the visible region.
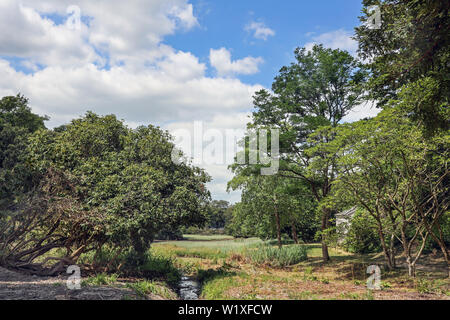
(97, 183)
(410, 48)
(388, 167)
(318, 89)
(17, 122)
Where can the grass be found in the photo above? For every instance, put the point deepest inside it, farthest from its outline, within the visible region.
(277, 257)
(253, 269)
(199, 237)
(223, 245)
(146, 288)
(101, 279)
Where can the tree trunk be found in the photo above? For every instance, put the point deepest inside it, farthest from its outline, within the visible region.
(440, 241)
(411, 267)
(392, 250)
(325, 255)
(386, 250)
(294, 232)
(277, 220)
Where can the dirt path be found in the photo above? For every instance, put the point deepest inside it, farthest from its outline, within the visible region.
(17, 286)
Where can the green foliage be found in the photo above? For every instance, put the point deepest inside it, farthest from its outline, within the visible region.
(97, 182)
(101, 279)
(17, 123)
(217, 213)
(411, 49)
(266, 200)
(297, 110)
(362, 236)
(277, 257)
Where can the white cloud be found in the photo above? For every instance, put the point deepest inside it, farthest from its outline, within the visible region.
(220, 173)
(364, 110)
(26, 34)
(123, 30)
(185, 16)
(220, 59)
(117, 63)
(259, 30)
(338, 39)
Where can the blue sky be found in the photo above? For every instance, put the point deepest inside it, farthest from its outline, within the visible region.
(222, 24)
(163, 62)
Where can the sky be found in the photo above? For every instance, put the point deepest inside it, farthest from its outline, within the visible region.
(169, 63)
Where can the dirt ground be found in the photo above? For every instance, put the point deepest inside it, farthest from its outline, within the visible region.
(17, 286)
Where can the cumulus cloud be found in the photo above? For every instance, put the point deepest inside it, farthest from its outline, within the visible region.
(220, 59)
(116, 62)
(225, 128)
(338, 39)
(121, 31)
(259, 30)
(364, 110)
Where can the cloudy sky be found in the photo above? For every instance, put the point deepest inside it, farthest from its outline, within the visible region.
(161, 62)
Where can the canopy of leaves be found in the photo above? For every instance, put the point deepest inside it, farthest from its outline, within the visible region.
(95, 182)
(411, 45)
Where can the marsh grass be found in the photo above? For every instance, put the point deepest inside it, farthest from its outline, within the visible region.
(277, 257)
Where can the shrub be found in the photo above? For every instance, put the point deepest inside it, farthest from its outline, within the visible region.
(161, 266)
(362, 236)
(277, 257)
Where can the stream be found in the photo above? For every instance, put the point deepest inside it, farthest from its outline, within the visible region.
(189, 288)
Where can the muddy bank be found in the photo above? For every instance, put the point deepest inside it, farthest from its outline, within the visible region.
(17, 286)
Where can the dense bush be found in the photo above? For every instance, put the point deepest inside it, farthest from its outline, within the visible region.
(362, 234)
(91, 183)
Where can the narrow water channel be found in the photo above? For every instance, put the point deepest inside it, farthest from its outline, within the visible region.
(189, 288)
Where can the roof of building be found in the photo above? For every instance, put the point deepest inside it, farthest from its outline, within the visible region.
(347, 213)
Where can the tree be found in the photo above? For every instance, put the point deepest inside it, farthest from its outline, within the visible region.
(17, 122)
(269, 205)
(410, 48)
(216, 213)
(319, 89)
(97, 183)
(384, 166)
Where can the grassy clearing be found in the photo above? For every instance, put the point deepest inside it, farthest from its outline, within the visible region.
(227, 270)
(222, 245)
(200, 237)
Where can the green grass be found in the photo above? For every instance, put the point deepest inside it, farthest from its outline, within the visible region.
(214, 287)
(277, 257)
(145, 288)
(101, 279)
(204, 249)
(221, 245)
(200, 237)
